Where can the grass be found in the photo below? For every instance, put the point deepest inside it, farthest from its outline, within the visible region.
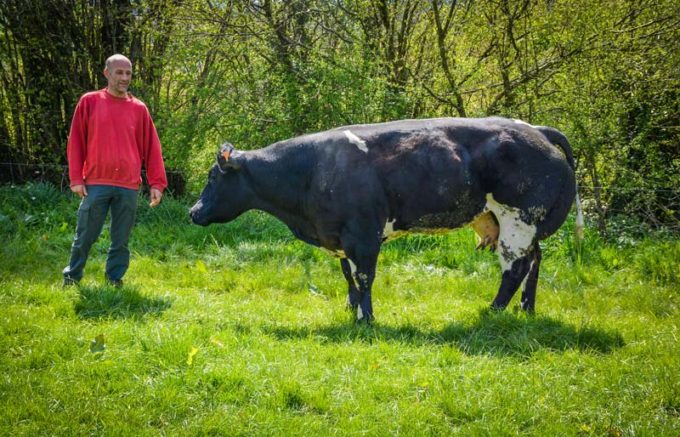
(240, 330)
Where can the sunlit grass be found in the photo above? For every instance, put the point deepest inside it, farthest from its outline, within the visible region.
(241, 330)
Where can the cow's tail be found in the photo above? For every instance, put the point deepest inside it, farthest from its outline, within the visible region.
(558, 138)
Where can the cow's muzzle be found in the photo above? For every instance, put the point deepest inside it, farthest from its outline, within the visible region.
(196, 216)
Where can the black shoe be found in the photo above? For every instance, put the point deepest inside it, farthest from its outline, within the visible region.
(117, 283)
(70, 282)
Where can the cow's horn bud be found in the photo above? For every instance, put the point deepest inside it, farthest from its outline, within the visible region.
(228, 157)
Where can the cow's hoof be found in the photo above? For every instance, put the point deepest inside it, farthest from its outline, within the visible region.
(528, 310)
(496, 308)
(365, 321)
(365, 314)
(352, 308)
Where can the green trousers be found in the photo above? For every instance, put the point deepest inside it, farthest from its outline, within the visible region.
(91, 217)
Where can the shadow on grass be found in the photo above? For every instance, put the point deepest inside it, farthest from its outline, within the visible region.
(100, 302)
(491, 333)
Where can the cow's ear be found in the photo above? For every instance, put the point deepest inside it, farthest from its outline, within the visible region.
(228, 157)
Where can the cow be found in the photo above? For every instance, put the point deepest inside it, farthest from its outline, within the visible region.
(349, 189)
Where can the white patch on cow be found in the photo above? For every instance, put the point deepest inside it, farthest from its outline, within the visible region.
(515, 237)
(389, 228)
(361, 144)
(389, 233)
(353, 270)
(524, 281)
(521, 122)
(360, 314)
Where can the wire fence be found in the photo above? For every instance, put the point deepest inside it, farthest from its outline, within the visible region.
(612, 210)
(57, 175)
(630, 209)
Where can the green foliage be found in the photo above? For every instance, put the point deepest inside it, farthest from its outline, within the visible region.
(33, 206)
(659, 262)
(253, 73)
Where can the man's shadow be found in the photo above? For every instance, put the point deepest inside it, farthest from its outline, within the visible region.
(491, 333)
(105, 301)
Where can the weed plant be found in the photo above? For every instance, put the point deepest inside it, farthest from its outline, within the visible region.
(239, 329)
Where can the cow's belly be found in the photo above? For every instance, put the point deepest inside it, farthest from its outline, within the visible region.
(445, 213)
(484, 225)
(435, 223)
(443, 221)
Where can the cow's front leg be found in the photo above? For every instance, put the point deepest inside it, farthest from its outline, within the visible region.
(348, 270)
(365, 309)
(363, 254)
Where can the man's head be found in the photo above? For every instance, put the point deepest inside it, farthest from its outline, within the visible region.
(118, 71)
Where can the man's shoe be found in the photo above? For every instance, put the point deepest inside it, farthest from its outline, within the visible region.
(117, 283)
(70, 282)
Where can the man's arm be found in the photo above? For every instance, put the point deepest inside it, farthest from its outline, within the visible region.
(80, 190)
(155, 167)
(76, 149)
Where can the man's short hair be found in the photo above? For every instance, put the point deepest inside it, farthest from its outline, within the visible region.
(116, 58)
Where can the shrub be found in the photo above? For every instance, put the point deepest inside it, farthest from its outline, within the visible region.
(658, 261)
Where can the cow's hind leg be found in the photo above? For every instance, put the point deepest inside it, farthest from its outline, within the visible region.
(348, 270)
(511, 280)
(515, 250)
(529, 292)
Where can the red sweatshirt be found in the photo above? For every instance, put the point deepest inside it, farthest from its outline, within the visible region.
(110, 139)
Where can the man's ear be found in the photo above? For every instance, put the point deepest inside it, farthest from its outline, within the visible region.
(228, 157)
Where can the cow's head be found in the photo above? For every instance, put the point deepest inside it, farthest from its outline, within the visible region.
(226, 195)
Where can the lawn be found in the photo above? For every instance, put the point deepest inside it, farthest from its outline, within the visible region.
(239, 329)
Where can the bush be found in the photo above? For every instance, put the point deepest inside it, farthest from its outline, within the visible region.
(658, 261)
(34, 205)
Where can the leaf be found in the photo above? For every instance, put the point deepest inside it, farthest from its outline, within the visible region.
(98, 344)
(192, 354)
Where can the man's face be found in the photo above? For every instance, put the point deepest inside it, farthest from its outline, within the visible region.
(119, 74)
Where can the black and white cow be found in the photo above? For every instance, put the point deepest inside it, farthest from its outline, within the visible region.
(349, 189)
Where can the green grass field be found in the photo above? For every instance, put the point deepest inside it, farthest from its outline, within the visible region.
(239, 329)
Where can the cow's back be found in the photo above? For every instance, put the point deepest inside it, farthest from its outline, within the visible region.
(426, 176)
(433, 173)
(437, 172)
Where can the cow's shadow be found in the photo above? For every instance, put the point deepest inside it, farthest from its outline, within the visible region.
(104, 301)
(491, 333)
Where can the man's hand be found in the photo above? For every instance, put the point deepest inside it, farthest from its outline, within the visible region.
(155, 196)
(80, 190)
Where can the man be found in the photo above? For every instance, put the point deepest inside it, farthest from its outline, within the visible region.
(112, 136)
